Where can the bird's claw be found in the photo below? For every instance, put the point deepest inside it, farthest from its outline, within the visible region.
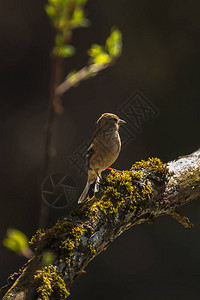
(118, 171)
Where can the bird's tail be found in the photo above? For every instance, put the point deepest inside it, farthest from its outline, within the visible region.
(88, 192)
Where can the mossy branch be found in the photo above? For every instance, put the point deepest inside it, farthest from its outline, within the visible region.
(149, 190)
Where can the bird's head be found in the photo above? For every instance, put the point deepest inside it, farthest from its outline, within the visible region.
(109, 121)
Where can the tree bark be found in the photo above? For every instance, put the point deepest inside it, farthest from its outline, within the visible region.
(77, 239)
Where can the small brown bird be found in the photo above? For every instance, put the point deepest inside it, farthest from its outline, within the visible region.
(102, 153)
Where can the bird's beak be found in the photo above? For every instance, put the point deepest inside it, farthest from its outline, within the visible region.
(121, 122)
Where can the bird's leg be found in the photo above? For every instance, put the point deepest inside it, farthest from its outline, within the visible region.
(118, 171)
(96, 188)
(98, 175)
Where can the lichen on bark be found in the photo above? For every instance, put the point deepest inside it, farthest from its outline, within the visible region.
(129, 198)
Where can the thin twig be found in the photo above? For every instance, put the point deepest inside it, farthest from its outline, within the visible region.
(79, 76)
(55, 80)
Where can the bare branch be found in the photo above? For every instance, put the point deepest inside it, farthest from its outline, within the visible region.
(83, 74)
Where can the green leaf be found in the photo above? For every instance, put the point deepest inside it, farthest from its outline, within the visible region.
(64, 50)
(95, 50)
(16, 241)
(59, 40)
(78, 18)
(102, 58)
(50, 10)
(114, 43)
(62, 23)
(112, 49)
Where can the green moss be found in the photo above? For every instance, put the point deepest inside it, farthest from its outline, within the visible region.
(49, 283)
(155, 168)
(92, 249)
(72, 242)
(43, 239)
(123, 192)
(63, 239)
(127, 191)
(36, 238)
(119, 186)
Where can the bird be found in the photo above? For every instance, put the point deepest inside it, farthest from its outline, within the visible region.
(102, 152)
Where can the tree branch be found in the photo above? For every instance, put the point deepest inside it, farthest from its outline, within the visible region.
(130, 198)
(81, 75)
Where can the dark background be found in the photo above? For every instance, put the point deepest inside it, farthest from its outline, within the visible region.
(161, 60)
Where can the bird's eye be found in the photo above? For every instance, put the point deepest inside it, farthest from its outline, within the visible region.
(115, 119)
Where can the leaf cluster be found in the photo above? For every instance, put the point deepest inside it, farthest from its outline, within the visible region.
(111, 50)
(66, 15)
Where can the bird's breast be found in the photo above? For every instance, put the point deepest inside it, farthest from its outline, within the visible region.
(106, 150)
(109, 143)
